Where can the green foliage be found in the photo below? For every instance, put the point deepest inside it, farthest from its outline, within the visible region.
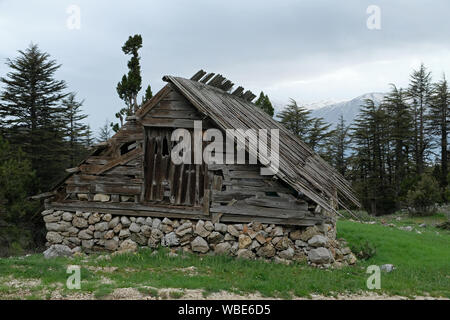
(17, 179)
(148, 95)
(31, 111)
(264, 103)
(364, 250)
(423, 198)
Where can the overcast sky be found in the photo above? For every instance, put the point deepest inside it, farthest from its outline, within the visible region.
(307, 50)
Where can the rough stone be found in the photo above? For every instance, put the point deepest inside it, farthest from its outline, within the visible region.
(111, 245)
(124, 233)
(79, 222)
(245, 254)
(287, 254)
(266, 251)
(220, 227)
(215, 237)
(51, 218)
(318, 241)
(113, 223)
(101, 226)
(57, 250)
(146, 230)
(320, 256)
(209, 226)
(300, 244)
(277, 232)
(201, 230)
(387, 267)
(295, 235)
(85, 234)
(134, 227)
(244, 241)
(109, 235)
(232, 230)
(139, 238)
(128, 246)
(125, 221)
(170, 240)
(199, 245)
(87, 244)
(67, 216)
(309, 233)
(54, 237)
(156, 223)
(223, 248)
(107, 217)
(94, 218)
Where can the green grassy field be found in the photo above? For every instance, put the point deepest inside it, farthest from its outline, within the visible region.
(422, 262)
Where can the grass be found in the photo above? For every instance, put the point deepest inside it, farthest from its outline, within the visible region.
(422, 264)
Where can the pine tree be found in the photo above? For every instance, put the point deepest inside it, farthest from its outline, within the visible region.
(401, 135)
(31, 111)
(75, 130)
(130, 85)
(319, 134)
(88, 140)
(297, 119)
(104, 133)
(419, 92)
(148, 95)
(264, 103)
(338, 146)
(439, 125)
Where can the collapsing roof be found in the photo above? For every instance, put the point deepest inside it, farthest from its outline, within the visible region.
(299, 166)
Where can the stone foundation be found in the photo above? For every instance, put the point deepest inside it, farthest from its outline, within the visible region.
(90, 232)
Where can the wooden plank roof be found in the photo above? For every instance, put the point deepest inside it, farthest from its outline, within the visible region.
(299, 165)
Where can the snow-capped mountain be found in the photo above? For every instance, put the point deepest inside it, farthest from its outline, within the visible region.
(349, 109)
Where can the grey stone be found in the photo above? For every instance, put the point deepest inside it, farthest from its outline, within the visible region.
(113, 223)
(277, 232)
(125, 221)
(79, 222)
(309, 233)
(107, 217)
(170, 240)
(139, 238)
(266, 251)
(74, 240)
(201, 230)
(67, 216)
(140, 220)
(111, 245)
(134, 227)
(57, 250)
(245, 254)
(87, 244)
(407, 228)
(232, 230)
(51, 218)
(295, 235)
(287, 254)
(94, 218)
(109, 235)
(222, 248)
(54, 237)
(184, 229)
(101, 226)
(128, 246)
(99, 234)
(149, 221)
(215, 237)
(209, 226)
(300, 244)
(229, 237)
(124, 233)
(244, 241)
(387, 267)
(318, 241)
(167, 221)
(146, 230)
(199, 245)
(85, 215)
(220, 227)
(320, 256)
(47, 212)
(156, 223)
(85, 234)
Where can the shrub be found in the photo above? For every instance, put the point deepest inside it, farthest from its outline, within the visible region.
(364, 250)
(423, 198)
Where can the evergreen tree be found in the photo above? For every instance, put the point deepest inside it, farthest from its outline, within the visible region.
(338, 145)
(439, 124)
(264, 103)
(104, 133)
(31, 111)
(297, 119)
(89, 140)
(75, 130)
(419, 92)
(318, 135)
(148, 95)
(401, 134)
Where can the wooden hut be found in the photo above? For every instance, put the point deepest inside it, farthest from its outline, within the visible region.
(132, 173)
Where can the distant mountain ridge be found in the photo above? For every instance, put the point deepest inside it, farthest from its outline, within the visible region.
(349, 109)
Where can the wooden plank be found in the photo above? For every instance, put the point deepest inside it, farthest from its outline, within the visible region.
(305, 222)
(172, 123)
(121, 160)
(245, 209)
(221, 196)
